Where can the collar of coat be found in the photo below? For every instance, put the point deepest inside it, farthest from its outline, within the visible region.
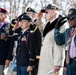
(49, 26)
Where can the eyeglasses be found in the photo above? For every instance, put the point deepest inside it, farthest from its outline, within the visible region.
(71, 18)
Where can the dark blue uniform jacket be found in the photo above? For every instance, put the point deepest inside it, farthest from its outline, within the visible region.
(6, 45)
(26, 48)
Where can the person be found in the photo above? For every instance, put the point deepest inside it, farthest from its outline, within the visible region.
(33, 27)
(36, 21)
(69, 39)
(6, 45)
(51, 54)
(26, 47)
(35, 16)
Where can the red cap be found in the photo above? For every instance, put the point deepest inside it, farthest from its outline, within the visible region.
(2, 10)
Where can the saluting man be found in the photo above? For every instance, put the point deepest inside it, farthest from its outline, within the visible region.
(36, 22)
(51, 53)
(69, 39)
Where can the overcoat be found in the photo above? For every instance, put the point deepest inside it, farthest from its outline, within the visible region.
(51, 53)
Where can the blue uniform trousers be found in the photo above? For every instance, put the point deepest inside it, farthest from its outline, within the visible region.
(71, 67)
(22, 70)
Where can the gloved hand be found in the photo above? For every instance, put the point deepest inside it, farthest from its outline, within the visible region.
(60, 22)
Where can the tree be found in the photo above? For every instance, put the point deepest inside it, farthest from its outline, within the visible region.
(17, 7)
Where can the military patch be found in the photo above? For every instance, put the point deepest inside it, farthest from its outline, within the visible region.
(23, 39)
(29, 9)
(7, 29)
(70, 12)
(54, 7)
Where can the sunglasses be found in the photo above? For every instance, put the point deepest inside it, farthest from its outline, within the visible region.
(71, 18)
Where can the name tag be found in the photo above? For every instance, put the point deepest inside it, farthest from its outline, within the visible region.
(23, 39)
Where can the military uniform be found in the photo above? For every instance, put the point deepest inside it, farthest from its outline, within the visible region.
(37, 47)
(22, 49)
(36, 29)
(6, 44)
(37, 40)
(25, 53)
(26, 49)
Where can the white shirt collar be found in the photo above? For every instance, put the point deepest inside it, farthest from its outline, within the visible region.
(24, 30)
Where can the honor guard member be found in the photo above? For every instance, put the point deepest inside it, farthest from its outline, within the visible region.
(26, 47)
(35, 27)
(35, 16)
(6, 45)
(17, 28)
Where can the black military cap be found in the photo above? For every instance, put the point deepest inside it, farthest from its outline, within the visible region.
(25, 17)
(71, 13)
(19, 17)
(48, 7)
(29, 9)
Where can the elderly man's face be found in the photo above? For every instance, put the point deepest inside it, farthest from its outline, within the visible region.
(49, 14)
(72, 22)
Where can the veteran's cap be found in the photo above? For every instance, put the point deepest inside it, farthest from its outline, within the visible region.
(29, 9)
(71, 12)
(49, 7)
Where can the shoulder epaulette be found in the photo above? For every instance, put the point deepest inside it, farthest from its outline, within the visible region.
(35, 28)
(12, 25)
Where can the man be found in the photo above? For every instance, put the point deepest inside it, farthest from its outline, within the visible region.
(6, 45)
(36, 21)
(35, 16)
(31, 12)
(51, 54)
(69, 39)
(26, 47)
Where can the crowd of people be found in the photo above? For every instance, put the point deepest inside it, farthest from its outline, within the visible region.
(42, 48)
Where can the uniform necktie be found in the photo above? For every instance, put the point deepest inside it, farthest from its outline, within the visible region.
(1, 24)
(68, 44)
